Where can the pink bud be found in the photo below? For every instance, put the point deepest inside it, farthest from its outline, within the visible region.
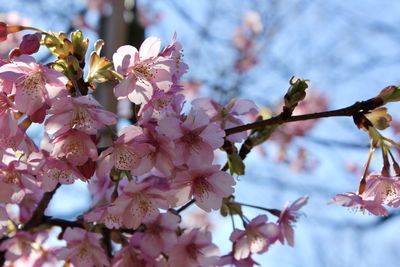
(30, 43)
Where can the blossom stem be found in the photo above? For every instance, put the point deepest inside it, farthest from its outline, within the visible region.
(274, 212)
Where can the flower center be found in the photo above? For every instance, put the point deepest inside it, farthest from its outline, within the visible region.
(12, 177)
(81, 118)
(73, 147)
(32, 84)
(125, 159)
(142, 72)
(58, 174)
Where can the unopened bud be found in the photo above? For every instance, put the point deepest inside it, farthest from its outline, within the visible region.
(390, 94)
(30, 43)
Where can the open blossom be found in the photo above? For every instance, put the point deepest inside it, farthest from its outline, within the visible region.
(144, 70)
(100, 214)
(15, 182)
(195, 138)
(126, 154)
(83, 248)
(384, 189)
(207, 185)
(355, 201)
(138, 202)
(227, 116)
(289, 215)
(75, 146)
(160, 234)
(230, 260)
(194, 248)
(256, 238)
(81, 113)
(8, 123)
(162, 104)
(35, 84)
(56, 171)
(174, 51)
(132, 255)
(18, 246)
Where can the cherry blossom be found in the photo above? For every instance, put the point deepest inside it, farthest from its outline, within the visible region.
(15, 182)
(132, 255)
(231, 261)
(289, 215)
(355, 201)
(8, 122)
(83, 248)
(207, 185)
(256, 238)
(126, 154)
(18, 246)
(144, 70)
(195, 138)
(160, 234)
(57, 171)
(75, 146)
(137, 203)
(35, 84)
(227, 116)
(194, 248)
(383, 189)
(80, 113)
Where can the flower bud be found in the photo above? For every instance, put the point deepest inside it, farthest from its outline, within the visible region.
(30, 43)
(390, 94)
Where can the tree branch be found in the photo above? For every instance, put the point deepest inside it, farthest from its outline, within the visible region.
(363, 106)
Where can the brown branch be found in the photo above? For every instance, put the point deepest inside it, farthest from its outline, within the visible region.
(363, 106)
(38, 216)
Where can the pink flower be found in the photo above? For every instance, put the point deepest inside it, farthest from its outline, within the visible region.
(289, 215)
(194, 248)
(82, 113)
(15, 182)
(143, 70)
(30, 43)
(18, 246)
(174, 51)
(256, 238)
(83, 248)
(35, 84)
(207, 185)
(138, 202)
(75, 146)
(383, 189)
(162, 104)
(132, 255)
(8, 123)
(355, 201)
(231, 261)
(56, 171)
(160, 234)
(227, 116)
(195, 138)
(102, 215)
(126, 154)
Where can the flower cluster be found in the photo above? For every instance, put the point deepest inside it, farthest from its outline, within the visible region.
(141, 182)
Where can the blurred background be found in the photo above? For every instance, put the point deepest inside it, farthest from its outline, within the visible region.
(349, 50)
